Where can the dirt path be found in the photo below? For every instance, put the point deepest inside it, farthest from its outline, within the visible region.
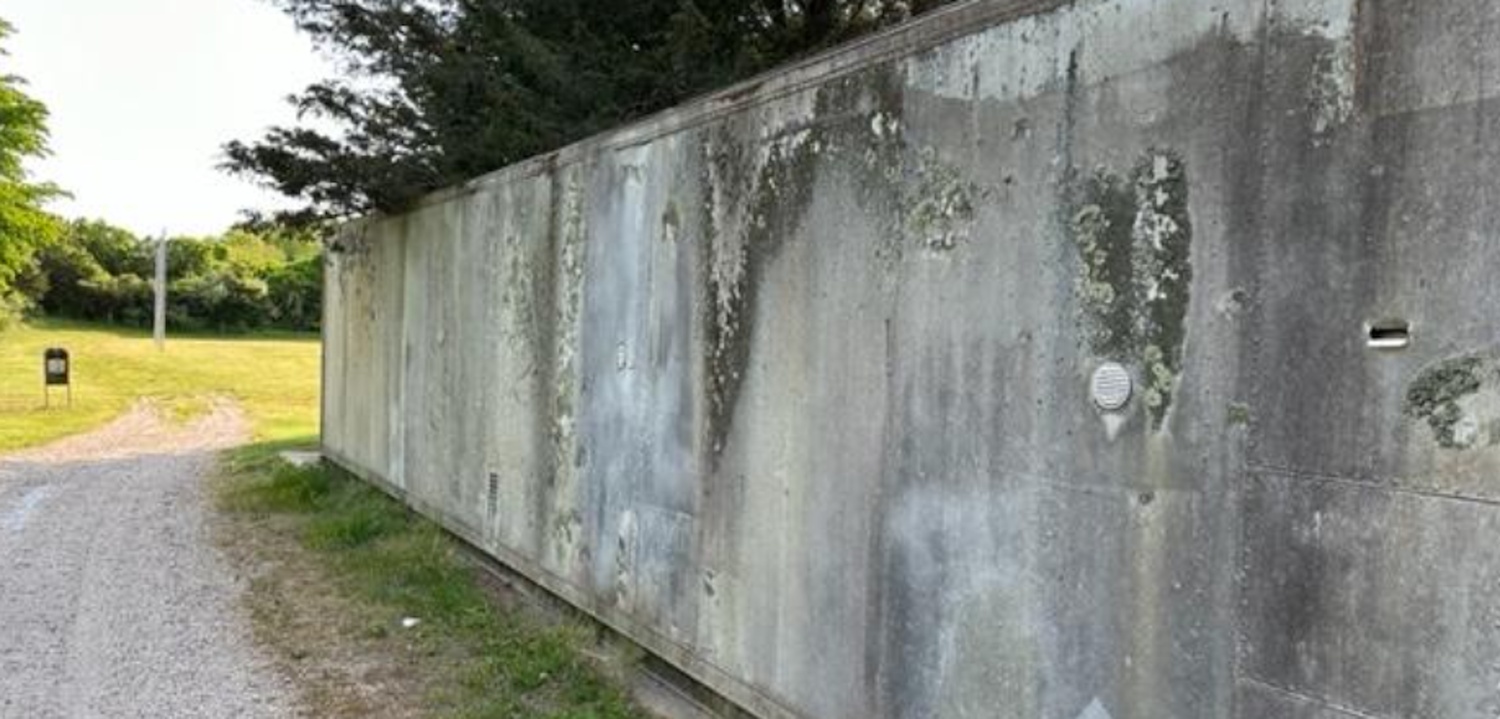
(113, 600)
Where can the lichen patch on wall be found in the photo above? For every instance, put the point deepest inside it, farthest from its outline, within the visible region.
(1101, 232)
(941, 207)
(1134, 239)
(745, 232)
(568, 549)
(852, 127)
(1332, 88)
(1440, 396)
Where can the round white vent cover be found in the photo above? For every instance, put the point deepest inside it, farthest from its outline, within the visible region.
(1111, 386)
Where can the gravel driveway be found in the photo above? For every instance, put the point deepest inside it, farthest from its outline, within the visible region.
(113, 600)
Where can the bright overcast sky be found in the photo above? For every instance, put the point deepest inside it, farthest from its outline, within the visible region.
(144, 92)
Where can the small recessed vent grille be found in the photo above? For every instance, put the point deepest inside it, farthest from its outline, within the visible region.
(1389, 335)
(1111, 386)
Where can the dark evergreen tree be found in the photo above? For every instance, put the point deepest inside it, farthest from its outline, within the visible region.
(439, 91)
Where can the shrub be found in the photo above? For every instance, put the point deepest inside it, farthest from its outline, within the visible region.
(242, 281)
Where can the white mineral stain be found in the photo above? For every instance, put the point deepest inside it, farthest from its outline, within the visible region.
(1095, 710)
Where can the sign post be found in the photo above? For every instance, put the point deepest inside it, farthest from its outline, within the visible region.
(57, 371)
(159, 332)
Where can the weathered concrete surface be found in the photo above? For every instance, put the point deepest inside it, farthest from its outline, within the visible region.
(791, 384)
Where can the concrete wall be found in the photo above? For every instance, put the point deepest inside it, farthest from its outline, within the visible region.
(791, 385)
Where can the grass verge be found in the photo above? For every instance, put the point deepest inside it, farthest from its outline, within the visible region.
(273, 376)
(336, 568)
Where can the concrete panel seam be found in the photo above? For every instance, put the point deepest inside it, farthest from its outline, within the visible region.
(1308, 699)
(1369, 483)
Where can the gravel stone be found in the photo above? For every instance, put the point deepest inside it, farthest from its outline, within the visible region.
(113, 600)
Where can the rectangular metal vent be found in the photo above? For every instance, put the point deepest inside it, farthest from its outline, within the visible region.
(1389, 335)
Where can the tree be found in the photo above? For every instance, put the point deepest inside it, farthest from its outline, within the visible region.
(440, 91)
(73, 265)
(24, 224)
(116, 250)
(242, 280)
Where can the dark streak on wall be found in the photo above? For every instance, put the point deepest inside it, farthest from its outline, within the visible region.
(791, 385)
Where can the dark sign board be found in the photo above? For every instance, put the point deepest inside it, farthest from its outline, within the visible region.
(56, 366)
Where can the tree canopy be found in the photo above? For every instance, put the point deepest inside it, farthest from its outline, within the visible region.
(242, 280)
(439, 91)
(24, 224)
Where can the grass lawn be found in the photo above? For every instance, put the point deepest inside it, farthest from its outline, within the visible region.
(338, 568)
(275, 377)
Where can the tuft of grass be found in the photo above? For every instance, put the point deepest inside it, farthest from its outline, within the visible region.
(284, 489)
(274, 377)
(480, 661)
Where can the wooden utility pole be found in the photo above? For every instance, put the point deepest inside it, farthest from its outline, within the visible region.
(160, 326)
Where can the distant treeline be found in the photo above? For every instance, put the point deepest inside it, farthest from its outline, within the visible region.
(244, 280)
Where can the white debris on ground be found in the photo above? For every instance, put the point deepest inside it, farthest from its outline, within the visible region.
(298, 458)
